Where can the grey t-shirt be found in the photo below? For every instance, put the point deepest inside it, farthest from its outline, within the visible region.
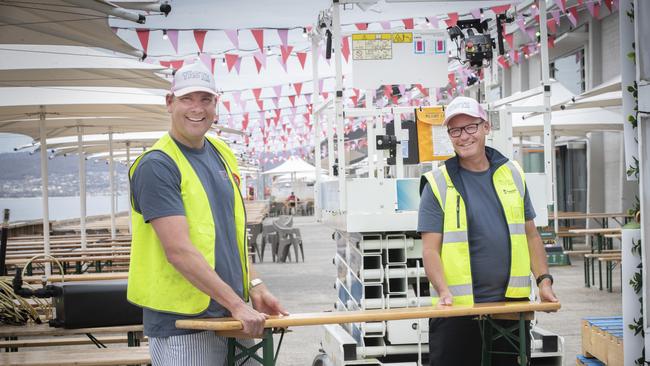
(489, 244)
(156, 190)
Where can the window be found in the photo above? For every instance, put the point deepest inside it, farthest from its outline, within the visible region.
(569, 70)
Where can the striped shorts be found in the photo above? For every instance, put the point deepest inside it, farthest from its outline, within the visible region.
(195, 349)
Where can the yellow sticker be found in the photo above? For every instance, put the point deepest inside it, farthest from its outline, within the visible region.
(406, 37)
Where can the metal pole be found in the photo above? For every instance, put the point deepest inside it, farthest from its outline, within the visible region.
(128, 181)
(111, 181)
(44, 187)
(82, 187)
(549, 140)
(338, 103)
(315, 118)
(370, 132)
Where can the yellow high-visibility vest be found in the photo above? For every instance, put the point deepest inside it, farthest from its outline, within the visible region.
(509, 184)
(153, 282)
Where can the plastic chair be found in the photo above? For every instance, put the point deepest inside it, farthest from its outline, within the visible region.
(269, 236)
(287, 237)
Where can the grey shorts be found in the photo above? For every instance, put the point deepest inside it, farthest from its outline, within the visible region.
(196, 349)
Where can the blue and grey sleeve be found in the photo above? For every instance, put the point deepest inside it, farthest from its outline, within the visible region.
(156, 187)
(529, 210)
(430, 215)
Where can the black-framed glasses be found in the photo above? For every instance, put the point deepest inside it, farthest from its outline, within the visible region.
(470, 129)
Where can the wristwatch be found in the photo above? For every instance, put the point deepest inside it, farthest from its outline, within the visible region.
(254, 283)
(544, 276)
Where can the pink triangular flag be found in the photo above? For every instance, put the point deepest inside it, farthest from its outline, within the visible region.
(434, 21)
(233, 36)
(275, 101)
(258, 64)
(476, 13)
(308, 98)
(177, 64)
(258, 34)
(361, 26)
(345, 48)
(385, 25)
(226, 104)
(172, 34)
(593, 10)
(236, 97)
(321, 82)
(509, 39)
(550, 24)
(261, 57)
(297, 87)
(302, 57)
(292, 100)
(521, 23)
(283, 35)
(143, 36)
(573, 15)
(556, 15)
(561, 4)
(231, 60)
(402, 89)
(285, 51)
(199, 37)
(257, 92)
(206, 59)
(278, 90)
(500, 9)
(260, 104)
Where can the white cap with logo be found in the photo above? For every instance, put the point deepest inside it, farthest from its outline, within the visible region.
(464, 105)
(193, 78)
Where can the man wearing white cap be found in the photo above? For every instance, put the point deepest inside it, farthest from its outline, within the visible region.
(189, 252)
(480, 243)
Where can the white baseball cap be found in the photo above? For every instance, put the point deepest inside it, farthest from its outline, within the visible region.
(193, 78)
(464, 105)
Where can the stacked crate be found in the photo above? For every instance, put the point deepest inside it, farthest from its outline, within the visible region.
(602, 339)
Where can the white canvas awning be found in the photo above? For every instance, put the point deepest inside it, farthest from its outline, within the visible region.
(292, 165)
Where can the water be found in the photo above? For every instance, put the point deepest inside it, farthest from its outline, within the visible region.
(31, 208)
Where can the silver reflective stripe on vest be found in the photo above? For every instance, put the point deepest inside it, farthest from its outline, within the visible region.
(519, 281)
(457, 290)
(441, 183)
(516, 177)
(454, 237)
(517, 229)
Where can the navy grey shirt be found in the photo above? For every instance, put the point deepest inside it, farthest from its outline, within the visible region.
(489, 244)
(156, 190)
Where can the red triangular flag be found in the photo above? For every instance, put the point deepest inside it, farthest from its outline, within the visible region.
(257, 92)
(286, 52)
(500, 9)
(422, 90)
(608, 3)
(226, 104)
(388, 90)
(143, 36)
(354, 100)
(278, 111)
(259, 38)
(260, 104)
(231, 60)
(550, 24)
(345, 49)
(297, 87)
(361, 26)
(509, 39)
(165, 63)
(302, 57)
(574, 15)
(177, 64)
(452, 79)
(258, 64)
(199, 37)
(292, 100)
(453, 19)
(408, 23)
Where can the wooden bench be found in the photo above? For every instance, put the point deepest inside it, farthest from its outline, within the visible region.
(611, 261)
(85, 357)
(60, 341)
(589, 260)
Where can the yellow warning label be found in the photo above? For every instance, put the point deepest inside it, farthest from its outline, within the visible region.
(405, 37)
(371, 36)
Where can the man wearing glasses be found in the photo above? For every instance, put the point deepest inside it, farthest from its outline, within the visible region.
(479, 241)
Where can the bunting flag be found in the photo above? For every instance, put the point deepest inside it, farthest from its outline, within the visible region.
(608, 4)
(176, 64)
(452, 79)
(556, 16)
(285, 52)
(244, 122)
(434, 21)
(385, 25)
(572, 15)
(232, 60)
(143, 36)
(258, 34)
(206, 59)
(594, 9)
(521, 23)
(561, 4)
(292, 100)
(532, 33)
(233, 36)
(551, 42)
(257, 92)
(275, 101)
(345, 49)
(260, 104)
(509, 39)
(550, 24)
(199, 37)
(261, 57)
(297, 87)
(361, 26)
(302, 57)
(278, 90)
(424, 91)
(226, 104)
(476, 13)
(500, 9)
(388, 91)
(172, 35)
(503, 62)
(453, 19)
(283, 34)
(408, 23)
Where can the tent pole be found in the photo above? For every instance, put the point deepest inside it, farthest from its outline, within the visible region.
(315, 118)
(370, 133)
(82, 187)
(44, 188)
(111, 180)
(338, 104)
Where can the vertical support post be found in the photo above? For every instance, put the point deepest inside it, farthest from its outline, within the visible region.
(267, 348)
(315, 119)
(330, 144)
(82, 187)
(128, 181)
(370, 131)
(338, 103)
(549, 140)
(44, 187)
(111, 181)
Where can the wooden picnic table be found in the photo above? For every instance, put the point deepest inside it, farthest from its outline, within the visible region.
(102, 276)
(231, 328)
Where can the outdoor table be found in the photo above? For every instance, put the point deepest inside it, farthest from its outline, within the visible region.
(599, 241)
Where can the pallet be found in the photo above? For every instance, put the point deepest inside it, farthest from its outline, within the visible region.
(586, 361)
(602, 338)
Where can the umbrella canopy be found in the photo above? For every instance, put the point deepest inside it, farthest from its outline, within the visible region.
(73, 23)
(47, 65)
(292, 165)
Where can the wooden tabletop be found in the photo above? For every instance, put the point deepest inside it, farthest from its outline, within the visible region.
(94, 357)
(45, 330)
(340, 317)
(582, 215)
(605, 230)
(80, 277)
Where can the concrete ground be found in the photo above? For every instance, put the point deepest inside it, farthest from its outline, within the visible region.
(308, 287)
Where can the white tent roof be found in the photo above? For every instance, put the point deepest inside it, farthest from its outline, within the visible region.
(573, 122)
(292, 165)
(60, 22)
(47, 65)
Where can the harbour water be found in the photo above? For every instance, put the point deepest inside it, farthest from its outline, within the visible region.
(31, 208)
